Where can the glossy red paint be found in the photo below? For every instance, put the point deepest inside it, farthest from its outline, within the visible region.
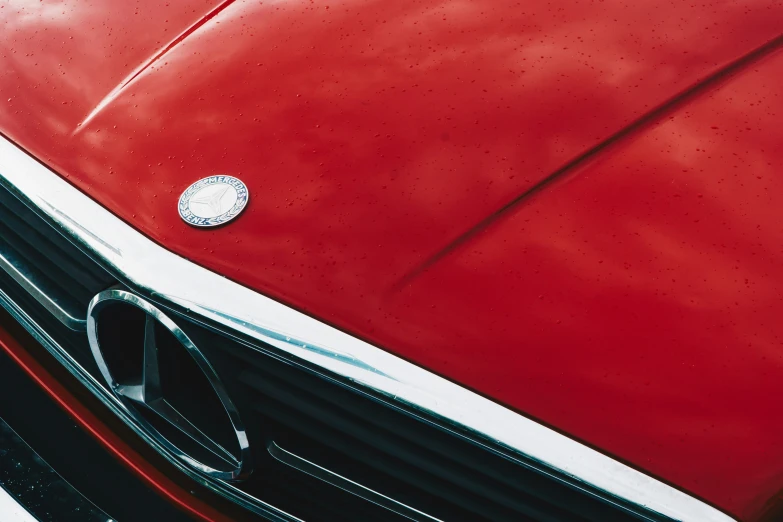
(88, 421)
(633, 303)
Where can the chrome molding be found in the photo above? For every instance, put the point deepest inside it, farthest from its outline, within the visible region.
(42, 294)
(354, 488)
(235, 308)
(12, 510)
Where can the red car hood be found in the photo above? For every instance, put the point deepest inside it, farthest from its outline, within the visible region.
(569, 206)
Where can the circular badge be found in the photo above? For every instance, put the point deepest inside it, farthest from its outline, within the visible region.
(213, 201)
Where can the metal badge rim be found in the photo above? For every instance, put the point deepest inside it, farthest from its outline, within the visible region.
(243, 198)
(242, 468)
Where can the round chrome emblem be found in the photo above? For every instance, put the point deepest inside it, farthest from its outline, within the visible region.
(166, 385)
(213, 201)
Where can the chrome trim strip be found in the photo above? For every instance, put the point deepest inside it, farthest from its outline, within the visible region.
(314, 470)
(42, 295)
(235, 307)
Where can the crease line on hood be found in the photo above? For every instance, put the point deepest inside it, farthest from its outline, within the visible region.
(646, 120)
(149, 62)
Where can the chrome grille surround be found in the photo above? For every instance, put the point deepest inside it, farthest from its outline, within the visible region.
(232, 309)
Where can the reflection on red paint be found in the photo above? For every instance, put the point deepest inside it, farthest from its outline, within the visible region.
(640, 288)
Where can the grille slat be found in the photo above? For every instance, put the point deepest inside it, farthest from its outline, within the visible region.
(412, 463)
(55, 271)
(40, 238)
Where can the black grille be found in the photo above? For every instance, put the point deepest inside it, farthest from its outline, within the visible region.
(49, 261)
(77, 457)
(391, 452)
(398, 465)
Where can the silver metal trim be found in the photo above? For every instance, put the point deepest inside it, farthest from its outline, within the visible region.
(225, 215)
(45, 296)
(314, 470)
(12, 510)
(237, 308)
(149, 393)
